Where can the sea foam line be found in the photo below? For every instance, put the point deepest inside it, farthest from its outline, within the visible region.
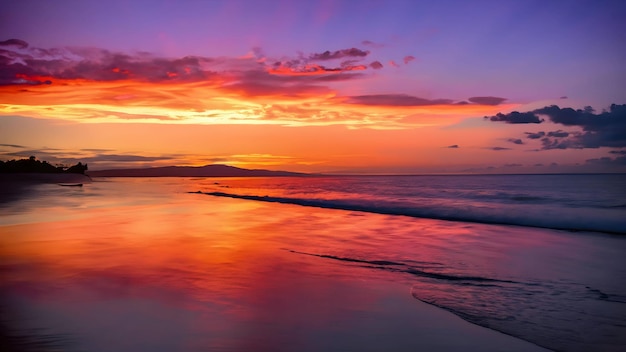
(618, 228)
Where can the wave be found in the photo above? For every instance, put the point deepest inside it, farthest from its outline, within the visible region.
(536, 311)
(560, 219)
(408, 269)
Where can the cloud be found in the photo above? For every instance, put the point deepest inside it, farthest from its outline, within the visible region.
(498, 148)
(558, 134)
(408, 59)
(339, 54)
(515, 141)
(620, 161)
(28, 65)
(454, 146)
(516, 117)
(535, 135)
(126, 158)
(15, 43)
(24, 65)
(372, 44)
(605, 129)
(563, 97)
(395, 100)
(12, 146)
(487, 100)
(619, 152)
(376, 65)
(393, 63)
(97, 85)
(312, 69)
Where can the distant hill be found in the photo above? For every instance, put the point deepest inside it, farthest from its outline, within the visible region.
(191, 171)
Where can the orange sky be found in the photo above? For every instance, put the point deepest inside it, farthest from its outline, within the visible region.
(324, 93)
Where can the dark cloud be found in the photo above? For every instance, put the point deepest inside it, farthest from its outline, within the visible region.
(515, 141)
(395, 100)
(605, 129)
(12, 145)
(487, 100)
(535, 135)
(408, 59)
(563, 97)
(376, 65)
(619, 161)
(454, 146)
(339, 54)
(558, 134)
(498, 148)
(516, 117)
(15, 43)
(619, 152)
(512, 165)
(550, 143)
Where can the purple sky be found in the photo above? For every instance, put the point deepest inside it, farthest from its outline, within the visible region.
(529, 53)
(522, 50)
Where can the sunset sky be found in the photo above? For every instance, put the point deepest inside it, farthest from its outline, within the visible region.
(317, 86)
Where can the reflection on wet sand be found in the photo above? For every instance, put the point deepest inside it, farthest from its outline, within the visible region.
(213, 274)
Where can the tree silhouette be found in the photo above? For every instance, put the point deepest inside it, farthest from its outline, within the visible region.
(32, 165)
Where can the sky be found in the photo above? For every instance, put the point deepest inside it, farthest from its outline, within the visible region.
(377, 87)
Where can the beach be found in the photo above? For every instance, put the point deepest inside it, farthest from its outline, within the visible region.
(144, 265)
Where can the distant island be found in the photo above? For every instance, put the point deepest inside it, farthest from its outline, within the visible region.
(17, 173)
(32, 165)
(192, 171)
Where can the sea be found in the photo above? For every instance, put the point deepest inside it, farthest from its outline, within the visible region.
(214, 263)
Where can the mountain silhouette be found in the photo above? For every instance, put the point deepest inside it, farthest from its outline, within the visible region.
(191, 171)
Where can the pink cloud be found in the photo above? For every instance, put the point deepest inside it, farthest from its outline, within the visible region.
(376, 65)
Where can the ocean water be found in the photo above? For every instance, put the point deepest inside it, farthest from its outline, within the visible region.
(279, 263)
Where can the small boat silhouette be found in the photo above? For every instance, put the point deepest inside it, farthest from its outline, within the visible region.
(71, 184)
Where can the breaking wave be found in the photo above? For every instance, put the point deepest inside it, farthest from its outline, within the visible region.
(569, 219)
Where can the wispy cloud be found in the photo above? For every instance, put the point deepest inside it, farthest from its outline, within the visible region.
(12, 146)
(498, 148)
(395, 100)
(487, 100)
(515, 141)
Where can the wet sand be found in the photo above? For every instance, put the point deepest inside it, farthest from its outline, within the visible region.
(183, 272)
